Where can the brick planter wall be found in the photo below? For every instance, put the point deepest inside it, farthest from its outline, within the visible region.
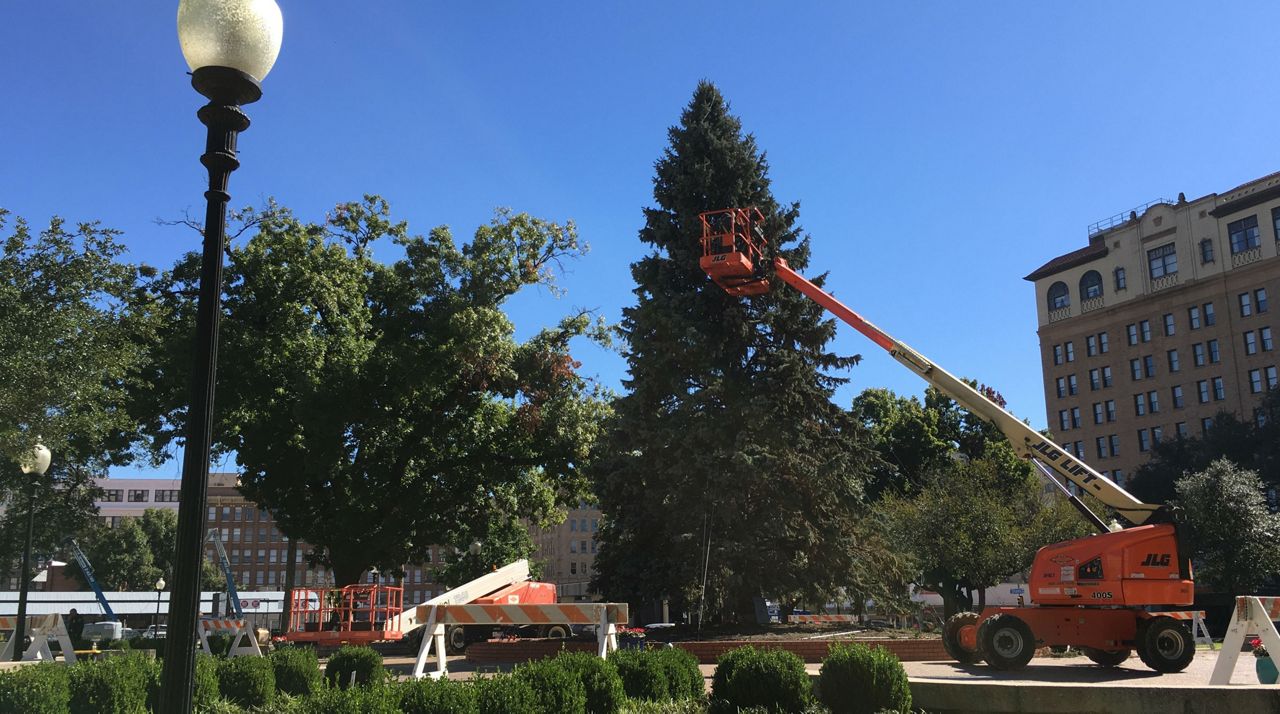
(707, 652)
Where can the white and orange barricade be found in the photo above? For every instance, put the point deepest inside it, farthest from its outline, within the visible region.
(605, 616)
(1199, 631)
(240, 631)
(41, 629)
(1252, 616)
(821, 618)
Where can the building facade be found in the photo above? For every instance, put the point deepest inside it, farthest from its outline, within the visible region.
(568, 552)
(1161, 322)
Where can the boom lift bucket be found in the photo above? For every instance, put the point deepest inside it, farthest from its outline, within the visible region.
(732, 240)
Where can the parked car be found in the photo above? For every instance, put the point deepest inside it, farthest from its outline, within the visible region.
(154, 632)
(129, 633)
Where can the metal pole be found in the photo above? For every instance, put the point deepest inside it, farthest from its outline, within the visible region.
(702, 599)
(155, 625)
(20, 631)
(225, 121)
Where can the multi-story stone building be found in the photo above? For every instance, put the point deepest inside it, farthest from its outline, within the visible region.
(1162, 321)
(568, 552)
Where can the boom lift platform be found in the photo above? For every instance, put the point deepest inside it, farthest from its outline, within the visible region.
(1090, 593)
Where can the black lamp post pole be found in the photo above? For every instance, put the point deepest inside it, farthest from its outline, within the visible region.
(24, 577)
(226, 89)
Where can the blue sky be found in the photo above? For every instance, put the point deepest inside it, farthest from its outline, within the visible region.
(940, 151)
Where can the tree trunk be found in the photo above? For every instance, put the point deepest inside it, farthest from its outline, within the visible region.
(347, 568)
(982, 599)
(289, 583)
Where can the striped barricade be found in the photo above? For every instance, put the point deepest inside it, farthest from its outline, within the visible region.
(605, 616)
(41, 628)
(821, 618)
(243, 640)
(1252, 615)
(1199, 631)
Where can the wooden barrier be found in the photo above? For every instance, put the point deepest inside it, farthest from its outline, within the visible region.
(240, 632)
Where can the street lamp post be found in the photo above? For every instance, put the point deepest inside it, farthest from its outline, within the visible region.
(155, 626)
(36, 461)
(230, 46)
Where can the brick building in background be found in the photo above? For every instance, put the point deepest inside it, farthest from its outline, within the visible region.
(568, 552)
(1163, 320)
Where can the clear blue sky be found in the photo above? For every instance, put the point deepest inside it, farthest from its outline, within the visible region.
(941, 151)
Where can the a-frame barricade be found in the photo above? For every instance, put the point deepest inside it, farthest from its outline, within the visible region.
(605, 616)
(1252, 616)
(42, 628)
(243, 639)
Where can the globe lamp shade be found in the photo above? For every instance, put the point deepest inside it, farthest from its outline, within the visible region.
(240, 34)
(37, 460)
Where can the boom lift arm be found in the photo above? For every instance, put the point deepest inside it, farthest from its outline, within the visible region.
(733, 257)
(225, 564)
(83, 561)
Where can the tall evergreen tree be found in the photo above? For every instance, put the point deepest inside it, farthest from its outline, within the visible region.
(726, 459)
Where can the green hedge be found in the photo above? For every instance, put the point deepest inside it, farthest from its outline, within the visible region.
(599, 678)
(36, 689)
(558, 690)
(366, 663)
(377, 698)
(506, 694)
(659, 674)
(438, 696)
(771, 680)
(116, 685)
(297, 670)
(856, 679)
(247, 681)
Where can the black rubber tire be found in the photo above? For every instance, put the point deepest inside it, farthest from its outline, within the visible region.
(557, 632)
(1007, 642)
(1167, 645)
(1106, 658)
(951, 637)
(455, 640)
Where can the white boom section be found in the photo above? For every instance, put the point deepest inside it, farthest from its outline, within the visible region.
(416, 616)
(1027, 442)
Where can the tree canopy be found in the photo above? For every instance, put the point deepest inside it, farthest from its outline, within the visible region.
(71, 347)
(376, 409)
(1231, 532)
(726, 453)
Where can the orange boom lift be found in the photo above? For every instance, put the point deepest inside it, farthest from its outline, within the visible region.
(1091, 593)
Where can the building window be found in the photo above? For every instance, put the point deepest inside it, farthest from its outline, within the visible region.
(1064, 424)
(1214, 355)
(1100, 444)
(1071, 351)
(213, 514)
(1250, 342)
(1071, 389)
(1111, 410)
(1260, 298)
(1144, 444)
(1114, 440)
(1106, 376)
(1091, 285)
(1271, 377)
(1103, 343)
(1057, 354)
(1244, 234)
(1145, 327)
(1075, 420)
(1149, 365)
(138, 495)
(1197, 354)
(1157, 433)
(1246, 304)
(1135, 369)
(573, 522)
(1169, 327)
(1206, 424)
(1174, 365)
(1091, 345)
(1133, 334)
(573, 567)
(1193, 316)
(1059, 296)
(168, 495)
(573, 546)
(1121, 282)
(1210, 319)
(1255, 381)
(1162, 261)
(1265, 334)
(1139, 404)
(1181, 428)
(1206, 250)
(1202, 388)
(1060, 385)
(1275, 222)
(1095, 379)
(1153, 401)
(1098, 415)
(1177, 397)
(1219, 391)
(113, 495)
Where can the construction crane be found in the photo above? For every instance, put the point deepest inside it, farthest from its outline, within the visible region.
(83, 561)
(225, 564)
(1090, 593)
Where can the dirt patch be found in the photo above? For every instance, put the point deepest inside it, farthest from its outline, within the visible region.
(840, 631)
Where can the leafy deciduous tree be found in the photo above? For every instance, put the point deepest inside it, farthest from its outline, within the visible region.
(1234, 538)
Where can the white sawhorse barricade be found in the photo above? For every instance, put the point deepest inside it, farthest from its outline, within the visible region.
(1252, 616)
(240, 631)
(1199, 631)
(605, 616)
(41, 628)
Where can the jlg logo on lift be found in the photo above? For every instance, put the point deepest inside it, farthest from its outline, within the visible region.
(1156, 560)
